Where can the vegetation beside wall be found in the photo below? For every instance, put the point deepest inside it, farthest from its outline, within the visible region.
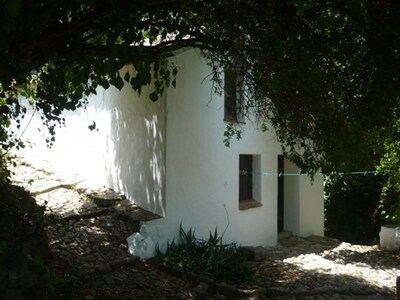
(209, 257)
(25, 271)
(353, 210)
(390, 163)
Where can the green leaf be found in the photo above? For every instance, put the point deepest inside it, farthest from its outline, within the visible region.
(174, 71)
(8, 24)
(136, 84)
(153, 96)
(117, 82)
(13, 7)
(127, 76)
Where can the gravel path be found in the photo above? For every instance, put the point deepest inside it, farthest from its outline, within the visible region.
(323, 268)
(90, 256)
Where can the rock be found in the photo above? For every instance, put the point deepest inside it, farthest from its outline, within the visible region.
(13, 294)
(21, 277)
(109, 280)
(104, 268)
(253, 253)
(278, 291)
(389, 237)
(286, 271)
(301, 289)
(228, 290)
(201, 289)
(106, 198)
(128, 261)
(140, 245)
(398, 287)
(89, 205)
(132, 211)
(3, 273)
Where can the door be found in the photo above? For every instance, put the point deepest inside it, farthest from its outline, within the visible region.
(281, 189)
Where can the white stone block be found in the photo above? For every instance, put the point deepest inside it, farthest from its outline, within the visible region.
(389, 237)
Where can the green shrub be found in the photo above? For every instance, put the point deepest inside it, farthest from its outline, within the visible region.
(25, 260)
(353, 207)
(209, 257)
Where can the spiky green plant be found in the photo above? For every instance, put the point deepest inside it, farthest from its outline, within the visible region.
(210, 257)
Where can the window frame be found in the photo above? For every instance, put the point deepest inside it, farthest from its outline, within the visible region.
(233, 98)
(255, 200)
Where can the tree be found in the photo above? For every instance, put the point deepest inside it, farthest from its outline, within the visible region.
(390, 161)
(327, 78)
(323, 73)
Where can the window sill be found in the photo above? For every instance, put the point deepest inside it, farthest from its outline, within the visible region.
(229, 118)
(247, 204)
(233, 121)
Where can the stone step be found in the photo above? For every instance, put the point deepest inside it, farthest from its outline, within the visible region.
(284, 235)
(105, 197)
(131, 210)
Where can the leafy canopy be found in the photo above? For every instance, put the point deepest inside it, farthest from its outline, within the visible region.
(325, 74)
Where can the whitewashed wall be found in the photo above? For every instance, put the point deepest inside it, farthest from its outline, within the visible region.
(202, 174)
(125, 152)
(169, 158)
(303, 206)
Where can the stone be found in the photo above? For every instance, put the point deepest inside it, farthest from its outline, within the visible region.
(389, 237)
(13, 294)
(106, 198)
(253, 253)
(3, 273)
(345, 271)
(140, 245)
(21, 277)
(231, 291)
(201, 289)
(104, 268)
(109, 280)
(132, 211)
(301, 289)
(89, 205)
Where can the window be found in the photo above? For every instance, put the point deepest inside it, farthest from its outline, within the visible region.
(249, 181)
(233, 99)
(245, 177)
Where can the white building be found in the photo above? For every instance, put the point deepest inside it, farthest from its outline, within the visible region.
(169, 158)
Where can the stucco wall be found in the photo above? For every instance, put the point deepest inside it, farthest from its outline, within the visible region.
(202, 174)
(303, 206)
(125, 152)
(169, 158)
(292, 199)
(311, 206)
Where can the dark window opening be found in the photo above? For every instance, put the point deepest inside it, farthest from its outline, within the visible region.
(233, 98)
(245, 177)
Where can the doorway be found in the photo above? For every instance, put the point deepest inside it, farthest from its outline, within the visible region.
(281, 190)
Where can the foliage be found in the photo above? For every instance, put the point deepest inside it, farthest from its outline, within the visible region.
(390, 162)
(24, 252)
(7, 140)
(232, 130)
(324, 73)
(352, 207)
(207, 257)
(390, 203)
